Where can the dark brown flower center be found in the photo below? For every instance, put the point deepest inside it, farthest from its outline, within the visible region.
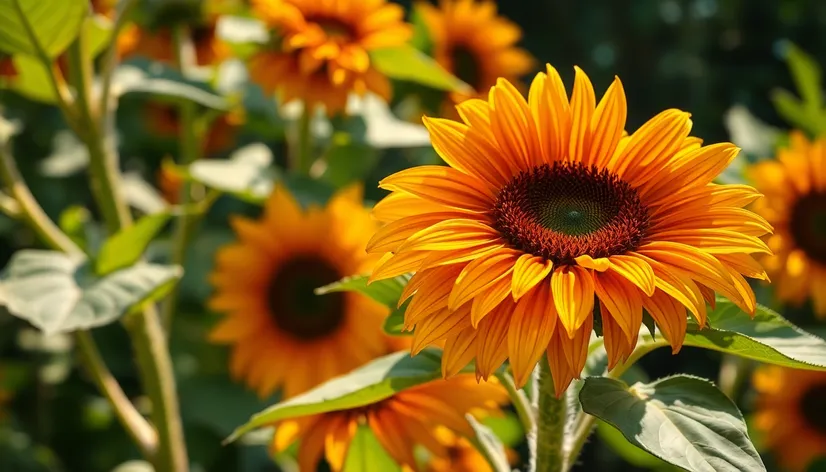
(295, 307)
(808, 225)
(813, 407)
(466, 66)
(567, 210)
(334, 27)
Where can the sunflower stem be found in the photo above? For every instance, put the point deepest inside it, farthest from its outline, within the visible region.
(144, 328)
(303, 152)
(550, 426)
(189, 152)
(520, 401)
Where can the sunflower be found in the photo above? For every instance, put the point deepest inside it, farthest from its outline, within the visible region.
(164, 120)
(320, 53)
(791, 414)
(475, 44)
(550, 214)
(795, 203)
(283, 335)
(401, 423)
(461, 455)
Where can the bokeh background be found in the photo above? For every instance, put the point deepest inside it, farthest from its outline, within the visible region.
(703, 56)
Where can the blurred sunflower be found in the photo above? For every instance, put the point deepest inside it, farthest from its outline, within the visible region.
(401, 423)
(158, 45)
(795, 203)
(791, 414)
(283, 335)
(549, 211)
(319, 53)
(461, 455)
(475, 44)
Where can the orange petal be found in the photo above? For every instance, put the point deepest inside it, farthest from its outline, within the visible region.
(652, 146)
(670, 316)
(391, 265)
(489, 299)
(600, 264)
(450, 235)
(582, 108)
(389, 237)
(491, 342)
(463, 149)
(615, 340)
(622, 301)
(440, 325)
(479, 275)
(551, 113)
(636, 270)
(532, 326)
(528, 271)
(443, 185)
(572, 289)
(607, 125)
(575, 347)
(511, 123)
(458, 352)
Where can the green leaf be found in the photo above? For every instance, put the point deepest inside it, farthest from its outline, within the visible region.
(369, 384)
(366, 454)
(507, 428)
(248, 174)
(768, 337)
(629, 452)
(127, 246)
(166, 85)
(794, 111)
(408, 63)
(54, 23)
(57, 293)
(349, 161)
(421, 39)
(73, 221)
(32, 79)
(394, 322)
(386, 292)
(489, 445)
(807, 76)
(685, 421)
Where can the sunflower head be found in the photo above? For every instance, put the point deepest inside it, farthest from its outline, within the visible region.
(794, 186)
(283, 336)
(320, 50)
(474, 43)
(791, 414)
(549, 214)
(431, 416)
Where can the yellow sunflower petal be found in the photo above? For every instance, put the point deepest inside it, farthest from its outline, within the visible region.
(582, 108)
(459, 350)
(492, 341)
(464, 150)
(572, 289)
(450, 235)
(442, 185)
(651, 146)
(607, 125)
(528, 271)
(442, 324)
(670, 316)
(615, 340)
(478, 275)
(622, 301)
(532, 326)
(635, 270)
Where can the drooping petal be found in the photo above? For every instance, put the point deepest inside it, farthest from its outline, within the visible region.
(622, 300)
(532, 326)
(615, 340)
(478, 275)
(440, 325)
(492, 340)
(572, 289)
(635, 270)
(459, 350)
(670, 316)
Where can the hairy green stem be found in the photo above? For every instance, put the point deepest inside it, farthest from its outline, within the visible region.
(520, 401)
(550, 426)
(31, 211)
(110, 63)
(145, 330)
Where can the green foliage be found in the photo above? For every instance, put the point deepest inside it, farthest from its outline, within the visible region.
(768, 337)
(57, 293)
(629, 452)
(369, 384)
(126, 247)
(409, 64)
(366, 454)
(248, 174)
(683, 420)
(806, 112)
(489, 445)
(386, 292)
(394, 322)
(54, 24)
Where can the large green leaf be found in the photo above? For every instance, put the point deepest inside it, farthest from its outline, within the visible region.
(126, 247)
(685, 421)
(629, 452)
(489, 445)
(369, 384)
(57, 293)
(54, 23)
(394, 322)
(366, 454)
(248, 173)
(386, 292)
(768, 337)
(408, 63)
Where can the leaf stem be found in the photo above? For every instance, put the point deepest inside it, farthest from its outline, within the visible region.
(135, 424)
(31, 211)
(110, 63)
(145, 329)
(520, 401)
(303, 152)
(550, 426)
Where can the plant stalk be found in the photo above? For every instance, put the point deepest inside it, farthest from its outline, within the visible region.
(520, 401)
(550, 425)
(303, 152)
(145, 330)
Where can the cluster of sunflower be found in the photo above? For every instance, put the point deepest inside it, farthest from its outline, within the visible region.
(550, 222)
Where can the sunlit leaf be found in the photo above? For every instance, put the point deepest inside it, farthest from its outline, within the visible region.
(685, 421)
(394, 322)
(489, 445)
(248, 173)
(57, 293)
(55, 24)
(32, 79)
(630, 453)
(165, 84)
(794, 111)
(366, 454)
(386, 292)
(369, 384)
(126, 247)
(408, 63)
(807, 76)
